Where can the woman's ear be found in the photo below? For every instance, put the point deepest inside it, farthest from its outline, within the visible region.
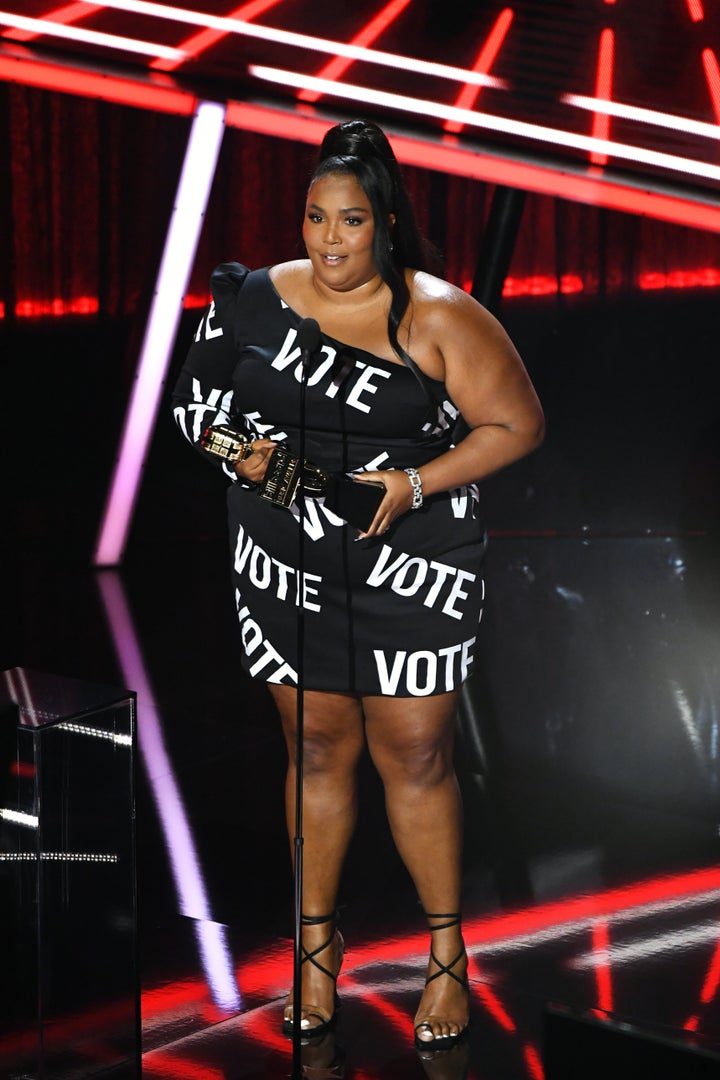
(391, 220)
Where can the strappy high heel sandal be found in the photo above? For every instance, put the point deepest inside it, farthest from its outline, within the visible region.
(324, 1018)
(441, 1042)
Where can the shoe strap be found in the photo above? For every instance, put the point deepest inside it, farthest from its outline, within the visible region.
(446, 969)
(455, 918)
(318, 920)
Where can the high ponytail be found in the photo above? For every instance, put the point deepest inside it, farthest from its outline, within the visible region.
(361, 149)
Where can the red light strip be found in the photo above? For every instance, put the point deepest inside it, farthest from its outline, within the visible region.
(302, 41)
(67, 14)
(712, 74)
(603, 977)
(177, 1068)
(486, 58)
(696, 10)
(533, 285)
(534, 1064)
(198, 43)
(494, 1006)
(712, 980)
(397, 1018)
(603, 90)
(44, 27)
(141, 92)
(370, 33)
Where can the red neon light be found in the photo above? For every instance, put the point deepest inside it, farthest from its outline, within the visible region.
(380, 1004)
(533, 285)
(339, 64)
(542, 285)
(696, 10)
(68, 14)
(486, 58)
(712, 980)
(603, 978)
(81, 305)
(140, 93)
(603, 90)
(177, 1068)
(495, 1007)
(681, 279)
(22, 769)
(712, 74)
(203, 39)
(534, 1064)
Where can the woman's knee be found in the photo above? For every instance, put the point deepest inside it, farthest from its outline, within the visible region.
(412, 741)
(416, 762)
(332, 733)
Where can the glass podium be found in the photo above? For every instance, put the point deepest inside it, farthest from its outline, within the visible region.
(70, 992)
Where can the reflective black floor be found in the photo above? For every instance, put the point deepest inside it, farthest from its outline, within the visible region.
(590, 788)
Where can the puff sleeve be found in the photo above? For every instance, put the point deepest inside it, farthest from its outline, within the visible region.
(203, 394)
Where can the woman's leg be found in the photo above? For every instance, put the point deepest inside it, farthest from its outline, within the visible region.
(411, 743)
(333, 740)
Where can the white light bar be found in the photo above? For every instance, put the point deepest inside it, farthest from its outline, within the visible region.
(31, 821)
(520, 128)
(180, 245)
(56, 856)
(643, 948)
(90, 37)
(83, 729)
(304, 41)
(644, 116)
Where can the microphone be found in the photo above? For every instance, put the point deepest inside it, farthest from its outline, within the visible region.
(308, 339)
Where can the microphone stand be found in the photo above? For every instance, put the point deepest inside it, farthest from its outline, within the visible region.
(308, 338)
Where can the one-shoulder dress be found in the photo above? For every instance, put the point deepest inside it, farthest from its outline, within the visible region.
(396, 614)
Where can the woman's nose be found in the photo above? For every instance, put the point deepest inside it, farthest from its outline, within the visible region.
(331, 233)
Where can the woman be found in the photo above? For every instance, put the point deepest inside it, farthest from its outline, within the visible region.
(390, 611)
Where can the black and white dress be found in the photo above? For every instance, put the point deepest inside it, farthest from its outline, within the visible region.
(395, 615)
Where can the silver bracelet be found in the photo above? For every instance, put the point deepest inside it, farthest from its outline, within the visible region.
(416, 482)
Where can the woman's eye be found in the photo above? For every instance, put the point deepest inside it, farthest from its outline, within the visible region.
(314, 218)
(353, 221)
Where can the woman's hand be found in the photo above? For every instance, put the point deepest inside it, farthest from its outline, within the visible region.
(398, 498)
(254, 467)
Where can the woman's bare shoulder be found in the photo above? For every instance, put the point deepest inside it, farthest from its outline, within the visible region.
(438, 303)
(296, 272)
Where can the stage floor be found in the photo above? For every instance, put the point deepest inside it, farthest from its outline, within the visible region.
(592, 891)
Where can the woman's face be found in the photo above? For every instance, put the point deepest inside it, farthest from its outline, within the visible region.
(338, 232)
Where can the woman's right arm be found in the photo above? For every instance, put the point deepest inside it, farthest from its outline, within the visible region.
(203, 394)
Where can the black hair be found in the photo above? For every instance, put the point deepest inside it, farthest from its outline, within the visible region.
(361, 149)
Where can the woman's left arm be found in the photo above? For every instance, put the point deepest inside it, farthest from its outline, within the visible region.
(487, 381)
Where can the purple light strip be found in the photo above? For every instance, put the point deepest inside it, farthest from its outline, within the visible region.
(180, 245)
(184, 862)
